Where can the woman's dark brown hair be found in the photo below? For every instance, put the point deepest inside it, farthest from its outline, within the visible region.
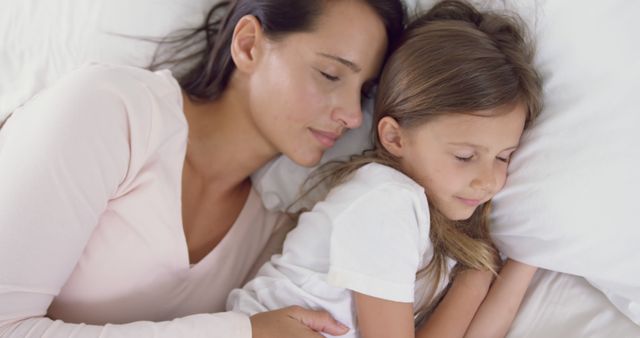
(208, 46)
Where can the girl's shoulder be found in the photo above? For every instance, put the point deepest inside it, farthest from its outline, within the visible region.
(376, 175)
(377, 182)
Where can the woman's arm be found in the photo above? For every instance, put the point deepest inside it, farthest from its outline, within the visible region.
(62, 156)
(452, 316)
(495, 315)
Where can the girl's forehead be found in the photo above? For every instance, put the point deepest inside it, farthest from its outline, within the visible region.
(489, 131)
(499, 117)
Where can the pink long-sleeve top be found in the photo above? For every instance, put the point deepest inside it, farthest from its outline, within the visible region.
(91, 236)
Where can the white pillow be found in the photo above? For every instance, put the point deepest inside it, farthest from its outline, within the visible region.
(569, 203)
(41, 40)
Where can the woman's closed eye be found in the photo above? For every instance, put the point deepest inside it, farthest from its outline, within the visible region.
(504, 159)
(368, 89)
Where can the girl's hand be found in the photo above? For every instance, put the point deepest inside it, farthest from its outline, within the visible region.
(295, 322)
(452, 316)
(495, 315)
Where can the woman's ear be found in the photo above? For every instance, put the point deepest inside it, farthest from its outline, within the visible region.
(246, 43)
(391, 136)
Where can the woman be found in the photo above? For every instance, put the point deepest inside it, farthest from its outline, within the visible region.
(126, 198)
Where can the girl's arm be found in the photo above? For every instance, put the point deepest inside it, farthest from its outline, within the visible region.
(379, 318)
(495, 315)
(453, 315)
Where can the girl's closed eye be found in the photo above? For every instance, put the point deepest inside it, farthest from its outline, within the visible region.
(464, 158)
(505, 156)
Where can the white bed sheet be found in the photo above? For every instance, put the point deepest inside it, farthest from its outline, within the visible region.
(559, 305)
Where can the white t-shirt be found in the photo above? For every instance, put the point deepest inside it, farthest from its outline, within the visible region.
(370, 235)
(90, 216)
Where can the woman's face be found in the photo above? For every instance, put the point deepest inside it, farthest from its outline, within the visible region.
(306, 90)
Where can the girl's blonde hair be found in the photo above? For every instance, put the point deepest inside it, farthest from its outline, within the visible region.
(451, 60)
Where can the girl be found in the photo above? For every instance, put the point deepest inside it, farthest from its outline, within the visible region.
(451, 107)
(126, 206)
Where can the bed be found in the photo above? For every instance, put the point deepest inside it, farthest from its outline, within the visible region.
(589, 284)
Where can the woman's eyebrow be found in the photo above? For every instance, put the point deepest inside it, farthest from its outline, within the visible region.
(343, 61)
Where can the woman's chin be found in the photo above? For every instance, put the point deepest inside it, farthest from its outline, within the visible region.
(307, 160)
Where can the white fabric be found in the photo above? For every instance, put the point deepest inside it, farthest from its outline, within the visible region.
(567, 306)
(570, 201)
(370, 235)
(90, 218)
(42, 40)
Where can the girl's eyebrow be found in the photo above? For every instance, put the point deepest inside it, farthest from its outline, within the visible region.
(343, 61)
(477, 146)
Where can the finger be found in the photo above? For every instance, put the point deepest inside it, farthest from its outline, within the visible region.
(320, 321)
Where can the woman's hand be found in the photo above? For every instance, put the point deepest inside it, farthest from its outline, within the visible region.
(295, 322)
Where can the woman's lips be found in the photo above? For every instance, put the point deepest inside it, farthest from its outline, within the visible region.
(327, 139)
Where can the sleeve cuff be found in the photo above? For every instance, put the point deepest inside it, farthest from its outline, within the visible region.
(235, 324)
(397, 292)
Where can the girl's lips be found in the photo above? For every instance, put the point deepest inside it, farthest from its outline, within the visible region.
(327, 139)
(469, 202)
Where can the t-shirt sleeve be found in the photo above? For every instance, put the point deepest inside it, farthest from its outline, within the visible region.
(217, 325)
(62, 158)
(377, 244)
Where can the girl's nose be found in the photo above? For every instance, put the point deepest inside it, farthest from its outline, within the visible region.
(485, 180)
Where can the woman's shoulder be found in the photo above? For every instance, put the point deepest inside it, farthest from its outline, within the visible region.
(123, 80)
(150, 101)
(107, 104)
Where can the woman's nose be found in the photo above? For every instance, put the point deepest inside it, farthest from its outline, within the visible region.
(349, 112)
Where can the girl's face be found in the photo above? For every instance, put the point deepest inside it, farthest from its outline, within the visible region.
(307, 88)
(461, 160)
